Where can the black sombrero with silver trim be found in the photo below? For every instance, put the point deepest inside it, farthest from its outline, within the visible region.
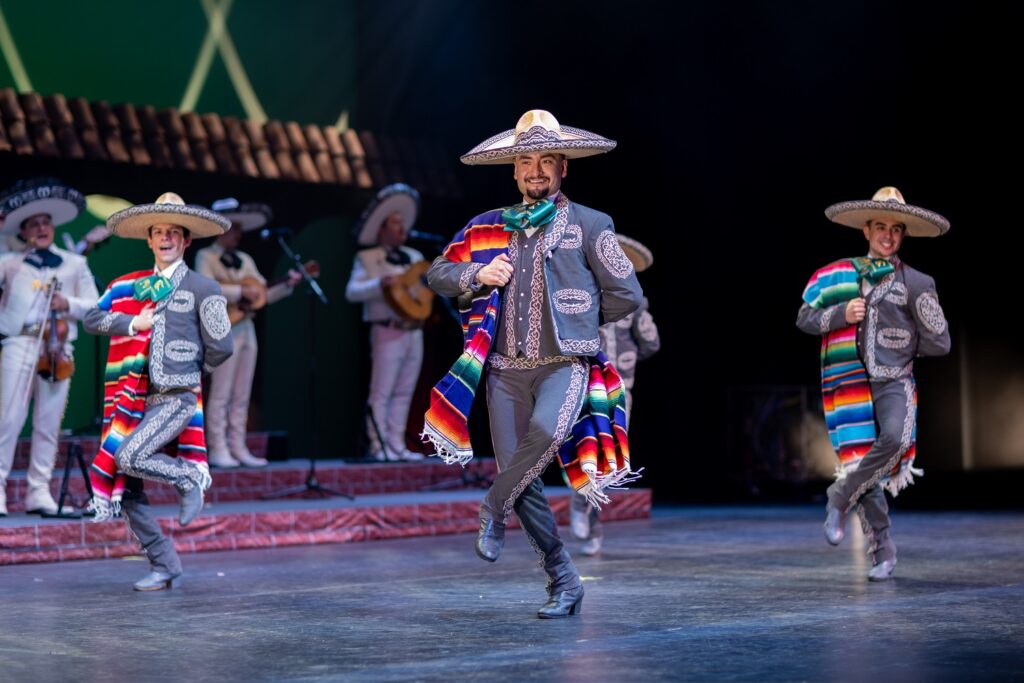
(889, 202)
(28, 198)
(396, 197)
(250, 216)
(537, 131)
(135, 222)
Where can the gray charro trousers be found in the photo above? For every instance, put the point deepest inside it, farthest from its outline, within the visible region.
(159, 549)
(895, 416)
(167, 414)
(531, 413)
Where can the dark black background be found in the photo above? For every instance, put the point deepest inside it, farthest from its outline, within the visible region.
(737, 124)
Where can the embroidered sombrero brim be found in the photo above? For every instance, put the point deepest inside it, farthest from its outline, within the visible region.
(920, 222)
(60, 202)
(396, 197)
(636, 252)
(572, 142)
(250, 216)
(135, 222)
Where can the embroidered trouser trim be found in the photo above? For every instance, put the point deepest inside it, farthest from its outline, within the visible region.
(531, 414)
(895, 414)
(144, 526)
(165, 418)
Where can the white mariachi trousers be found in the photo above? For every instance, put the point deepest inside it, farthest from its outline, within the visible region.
(397, 357)
(227, 412)
(18, 369)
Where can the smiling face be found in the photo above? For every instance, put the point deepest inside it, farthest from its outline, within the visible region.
(168, 243)
(884, 236)
(539, 175)
(37, 231)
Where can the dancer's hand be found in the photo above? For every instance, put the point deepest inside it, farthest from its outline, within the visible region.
(144, 320)
(498, 272)
(856, 310)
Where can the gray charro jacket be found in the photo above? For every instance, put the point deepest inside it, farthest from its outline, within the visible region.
(587, 279)
(191, 331)
(904, 320)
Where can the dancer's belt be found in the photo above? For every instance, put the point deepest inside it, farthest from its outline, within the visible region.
(399, 324)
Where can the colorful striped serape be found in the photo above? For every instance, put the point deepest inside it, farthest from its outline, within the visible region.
(845, 387)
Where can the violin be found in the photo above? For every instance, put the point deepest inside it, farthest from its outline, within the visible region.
(54, 364)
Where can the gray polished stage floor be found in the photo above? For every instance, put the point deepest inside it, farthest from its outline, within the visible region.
(746, 594)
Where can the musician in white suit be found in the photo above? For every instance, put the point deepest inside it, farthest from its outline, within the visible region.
(227, 412)
(33, 209)
(396, 344)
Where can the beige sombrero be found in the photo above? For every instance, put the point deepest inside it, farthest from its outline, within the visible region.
(889, 202)
(640, 256)
(250, 216)
(537, 131)
(28, 198)
(136, 221)
(395, 197)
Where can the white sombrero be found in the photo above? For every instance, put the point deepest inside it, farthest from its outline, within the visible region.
(250, 216)
(397, 197)
(136, 221)
(537, 131)
(28, 198)
(888, 202)
(636, 252)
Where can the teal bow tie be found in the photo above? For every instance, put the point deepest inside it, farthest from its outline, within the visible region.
(873, 269)
(526, 216)
(154, 287)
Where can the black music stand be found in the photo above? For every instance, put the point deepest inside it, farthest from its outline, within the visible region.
(311, 484)
(74, 455)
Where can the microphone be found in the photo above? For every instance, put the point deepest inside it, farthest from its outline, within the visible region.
(428, 236)
(267, 233)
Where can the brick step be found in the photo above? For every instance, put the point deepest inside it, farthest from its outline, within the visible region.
(261, 444)
(244, 483)
(269, 524)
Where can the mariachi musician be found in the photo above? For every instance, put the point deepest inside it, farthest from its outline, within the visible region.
(46, 290)
(386, 279)
(227, 412)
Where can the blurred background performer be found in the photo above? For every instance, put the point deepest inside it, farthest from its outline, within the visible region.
(625, 342)
(227, 412)
(44, 287)
(396, 342)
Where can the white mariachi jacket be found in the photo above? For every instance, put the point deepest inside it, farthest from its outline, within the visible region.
(24, 291)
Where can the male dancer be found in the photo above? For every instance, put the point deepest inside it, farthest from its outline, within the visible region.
(168, 325)
(875, 315)
(538, 278)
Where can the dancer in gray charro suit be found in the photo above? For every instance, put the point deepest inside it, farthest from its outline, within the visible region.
(876, 315)
(561, 273)
(190, 334)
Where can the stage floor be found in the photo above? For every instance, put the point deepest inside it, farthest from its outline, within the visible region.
(719, 593)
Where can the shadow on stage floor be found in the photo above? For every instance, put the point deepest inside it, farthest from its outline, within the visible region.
(708, 593)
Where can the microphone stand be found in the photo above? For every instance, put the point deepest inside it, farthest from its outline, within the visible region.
(312, 484)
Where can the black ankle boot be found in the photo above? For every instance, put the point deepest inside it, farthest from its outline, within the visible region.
(490, 539)
(563, 604)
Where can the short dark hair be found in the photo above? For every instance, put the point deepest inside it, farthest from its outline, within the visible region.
(184, 231)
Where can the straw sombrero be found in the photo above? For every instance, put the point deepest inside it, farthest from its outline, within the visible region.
(250, 216)
(888, 202)
(28, 198)
(396, 197)
(537, 131)
(136, 221)
(636, 252)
